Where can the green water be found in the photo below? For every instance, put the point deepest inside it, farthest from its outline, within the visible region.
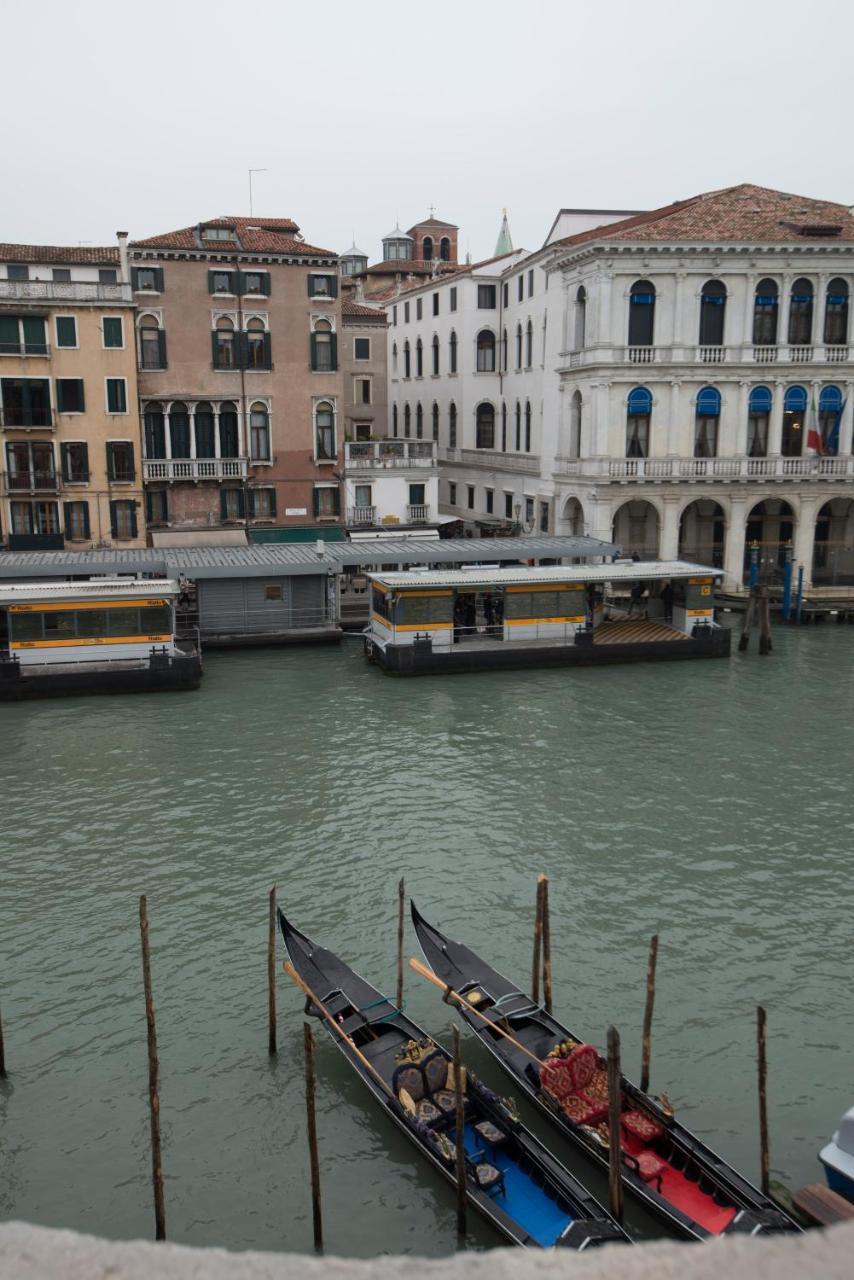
(708, 801)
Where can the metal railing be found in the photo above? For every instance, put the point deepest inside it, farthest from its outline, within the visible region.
(27, 419)
(24, 349)
(64, 291)
(384, 454)
(31, 481)
(194, 469)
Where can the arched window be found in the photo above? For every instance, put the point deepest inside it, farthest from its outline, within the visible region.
(205, 429)
(407, 360)
(155, 430)
(394, 357)
(419, 359)
(445, 249)
(407, 422)
(529, 345)
(794, 417)
(427, 249)
(641, 314)
(518, 427)
(706, 422)
(394, 420)
(712, 313)
(485, 426)
(518, 346)
(829, 418)
(152, 344)
(800, 313)
(259, 431)
(504, 350)
(435, 426)
(435, 349)
(452, 426)
(224, 344)
(836, 314)
(765, 311)
(580, 336)
(257, 345)
(452, 352)
(323, 353)
(324, 431)
(527, 426)
(758, 418)
(419, 421)
(229, 435)
(503, 427)
(638, 415)
(575, 411)
(179, 429)
(486, 351)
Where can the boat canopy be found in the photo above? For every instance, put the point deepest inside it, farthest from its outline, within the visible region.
(478, 576)
(102, 590)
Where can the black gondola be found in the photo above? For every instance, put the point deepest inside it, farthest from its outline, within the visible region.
(665, 1166)
(513, 1180)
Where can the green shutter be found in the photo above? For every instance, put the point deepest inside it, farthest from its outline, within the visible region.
(333, 286)
(158, 279)
(63, 453)
(113, 335)
(265, 282)
(214, 349)
(114, 518)
(85, 462)
(10, 338)
(314, 351)
(268, 351)
(334, 350)
(111, 465)
(336, 501)
(35, 340)
(310, 279)
(211, 282)
(239, 285)
(148, 508)
(161, 343)
(87, 529)
(134, 277)
(66, 511)
(241, 503)
(315, 501)
(134, 527)
(223, 504)
(132, 462)
(272, 502)
(66, 331)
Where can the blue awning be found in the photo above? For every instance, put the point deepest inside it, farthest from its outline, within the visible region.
(830, 400)
(760, 400)
(639, 403)
(796, 400)
(709, 402)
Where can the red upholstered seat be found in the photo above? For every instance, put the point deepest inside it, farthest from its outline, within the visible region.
(648, 1165)
(582, 1063)
(566, 1079)
(583, 1110)
(642, 1126)
(556, 1078)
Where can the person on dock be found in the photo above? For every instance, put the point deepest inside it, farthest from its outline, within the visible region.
(667, 601)
(636, 598)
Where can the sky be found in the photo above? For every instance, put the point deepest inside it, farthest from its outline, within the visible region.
(146, 117)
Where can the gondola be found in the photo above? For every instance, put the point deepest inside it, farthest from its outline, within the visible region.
(512, 1179)
(665, 1167)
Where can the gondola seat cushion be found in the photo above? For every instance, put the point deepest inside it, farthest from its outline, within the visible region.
(488, 1178)
(648, 1166)
(435, 1069)
(583, 1064)
(409, 1077)
(556, 1078)
(446, 1101)
(427, 1112)
(489, 1132)
(642, 1126)
(581, 1110)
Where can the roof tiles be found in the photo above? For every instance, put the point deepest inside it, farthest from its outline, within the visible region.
(77, 255)
(252, 235)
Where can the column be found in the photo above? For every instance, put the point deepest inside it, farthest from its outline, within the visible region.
(217, 453)
(847, 423)
(818, 306)
(775, 427)
(167, 435)
(739, 435)
(606, 284)
(668, 542)
(674, 430)
(783, 312)
(734, 549)
(678, 334)
(191, 413)
(747, 333)
(805, 536)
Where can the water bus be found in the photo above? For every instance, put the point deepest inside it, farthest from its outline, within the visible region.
(101, 636)
(478, 618)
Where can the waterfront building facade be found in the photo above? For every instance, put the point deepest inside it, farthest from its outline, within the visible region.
(69, 415)
(364, 370)
(238, 326)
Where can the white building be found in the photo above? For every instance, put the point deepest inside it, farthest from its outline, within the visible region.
(391, 482)
(679, 380)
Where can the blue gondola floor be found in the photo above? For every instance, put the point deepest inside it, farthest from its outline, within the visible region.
(528, 1204)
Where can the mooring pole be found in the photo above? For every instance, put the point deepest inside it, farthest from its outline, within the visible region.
(799, 599)
(647, 1013)
(459, 1136)
(311, 1121)
(547, 948)
(744, 638)
(754, 564)
(615, 1145)
(2, 1052)
(787, 584)
(765, 644)
(538, 943)
(401, 899)
(153, 1078)
(271, 973)
(762, 1064)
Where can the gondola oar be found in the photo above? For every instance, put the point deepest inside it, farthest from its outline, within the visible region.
(451, 994)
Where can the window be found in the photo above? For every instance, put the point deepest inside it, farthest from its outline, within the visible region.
(147, 279)
(16, 271)
(576, 408)
(394, 420)
(256, 283)
(70, 397)
(156, 506)
(638, 414)
(445, 249)
(765, 311)
(427, 249)
(362, 390)
(123, 519)
(794, 416)
(518, 346)
(259, 433)
(453, 303)
(417, 495)
(485, 426)
(800, 313)
(152, 344)
(508, 506)
(179, 430)
(107, 275)
(113, 331)
(452, 493)
(518, 427)
(486, 351)
(489, 495)
(434, 429)
(452, 352)
(529, 344)
(503, 427)
(229, 435)
(324, 355)
(505, 294)
(830, 406)
(419, 359)
(263, 507)
(486, 297)
(529, 511)
(407, 360)
(76, 521)
(326, 502)
(394, 357)
(504, 350)
(581, 318)
(419, 422)
(530, 284)
(406, 313)
(322, 286)
(224, 344)
(205, 430)
(707, 418)
(362, 349)
(117, 395)
(435, 304)
(232, 504)
(470, 496)
(324, 432)
(30, 466)
(217, 233)
(544, 517)
(452, 426)
(418, 309)
(75, 461)
(435, 353)
(120, 461)
(222, 282)
(154, 431)
(836, 314)
(527, 426)
(758, 418)
(257, 345)
(24, 335)
(407, 421)
(35, 517)
(520, 288)
(712, 312)
(66, 331)
(61, 275)
(641, 314)
(394, 315)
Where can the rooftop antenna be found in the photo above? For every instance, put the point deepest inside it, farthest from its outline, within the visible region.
(250, 172)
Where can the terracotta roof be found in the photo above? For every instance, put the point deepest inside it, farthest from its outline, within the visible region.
(78, 255)
(433, 222)
(355, 311)
(253, 235)
(744, 213)
(410, 267)
(464, 270)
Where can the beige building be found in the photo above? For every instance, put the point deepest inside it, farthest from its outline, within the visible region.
(69, 417)
(364, 366)
(238, 332)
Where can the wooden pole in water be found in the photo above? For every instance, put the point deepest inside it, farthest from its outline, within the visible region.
(311, 1118)
(459, 1136)
(749, 612)
(2, 1052)
(765, 645)
(153, 1077)
(762, 1063)
(538, 943)
(401, 899)
(271, 973)
(647, 1013)
(615, 1146)
(547, 947)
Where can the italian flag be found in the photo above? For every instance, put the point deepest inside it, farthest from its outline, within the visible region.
(814, 441)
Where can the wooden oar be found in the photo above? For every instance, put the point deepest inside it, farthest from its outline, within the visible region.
(451, 994)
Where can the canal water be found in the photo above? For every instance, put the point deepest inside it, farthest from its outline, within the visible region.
(709, 801)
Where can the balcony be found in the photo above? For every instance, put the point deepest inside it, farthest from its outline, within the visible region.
(26, 419)
(685, 354)
(494, 460)
(38, 349)
(735, 469)
(381, 455)
(417, 513)
(192, 470)
(362, 515)
(64, 291)
(31, 482)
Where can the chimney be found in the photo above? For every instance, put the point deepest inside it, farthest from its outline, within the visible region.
(122, 237)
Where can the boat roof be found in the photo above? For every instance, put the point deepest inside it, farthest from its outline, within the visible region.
(106, 589)
(631, 571)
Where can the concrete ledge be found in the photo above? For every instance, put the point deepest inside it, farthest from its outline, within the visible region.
(38, 1253)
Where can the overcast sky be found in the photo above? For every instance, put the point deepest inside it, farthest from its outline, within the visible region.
(145, 117)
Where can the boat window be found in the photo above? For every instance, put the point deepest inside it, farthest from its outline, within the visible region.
(425, 610)
(26, 626)
(92, 623)
(58, 626)
(156, 620)
(123, 622)
(380, 603)
(560, 603)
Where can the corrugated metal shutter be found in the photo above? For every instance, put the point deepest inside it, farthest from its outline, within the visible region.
(268, 604)
(309, 601)
(222, 607)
